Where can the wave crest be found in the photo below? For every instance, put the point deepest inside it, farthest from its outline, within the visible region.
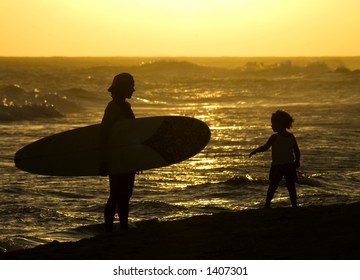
(18, 104)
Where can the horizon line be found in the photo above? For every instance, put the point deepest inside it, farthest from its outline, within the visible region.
(186, 56)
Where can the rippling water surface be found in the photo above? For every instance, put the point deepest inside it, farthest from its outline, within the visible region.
(45, 96)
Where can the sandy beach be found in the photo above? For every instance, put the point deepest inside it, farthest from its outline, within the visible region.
(321, 232)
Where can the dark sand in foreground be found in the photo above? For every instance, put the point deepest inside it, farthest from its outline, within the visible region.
(322, 232)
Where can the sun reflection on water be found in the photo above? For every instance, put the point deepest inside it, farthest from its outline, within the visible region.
(203, 202)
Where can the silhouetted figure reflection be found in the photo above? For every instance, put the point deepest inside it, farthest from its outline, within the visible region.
(285, 156)
(121, 185)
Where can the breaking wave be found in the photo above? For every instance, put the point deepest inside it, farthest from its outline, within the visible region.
(17, 104)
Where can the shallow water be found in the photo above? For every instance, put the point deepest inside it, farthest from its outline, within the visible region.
(236, 104)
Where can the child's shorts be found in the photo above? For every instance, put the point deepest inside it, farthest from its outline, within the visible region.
(277, 172)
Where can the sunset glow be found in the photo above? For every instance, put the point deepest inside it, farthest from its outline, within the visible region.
(180, 28)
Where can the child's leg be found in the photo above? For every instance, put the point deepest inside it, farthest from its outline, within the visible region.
(274, 178)
(290, 184)
(270, 193)
(290, 178)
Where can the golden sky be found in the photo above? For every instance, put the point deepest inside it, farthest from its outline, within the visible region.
(179, 27)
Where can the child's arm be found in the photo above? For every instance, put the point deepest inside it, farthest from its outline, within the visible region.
(297, 154)
(265, 147)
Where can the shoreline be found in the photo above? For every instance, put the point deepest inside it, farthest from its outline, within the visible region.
(313, 233)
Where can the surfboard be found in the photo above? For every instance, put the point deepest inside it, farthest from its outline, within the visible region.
(134, 145)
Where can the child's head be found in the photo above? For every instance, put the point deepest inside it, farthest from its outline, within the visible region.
(282, 119)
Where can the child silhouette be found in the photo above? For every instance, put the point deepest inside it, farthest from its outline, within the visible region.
(285, 156)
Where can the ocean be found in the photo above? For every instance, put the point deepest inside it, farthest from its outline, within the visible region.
(234, 96)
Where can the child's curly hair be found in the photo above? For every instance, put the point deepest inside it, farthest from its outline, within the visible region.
(282, 118)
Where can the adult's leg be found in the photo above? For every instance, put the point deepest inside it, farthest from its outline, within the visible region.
(111, 204)
(124, 184)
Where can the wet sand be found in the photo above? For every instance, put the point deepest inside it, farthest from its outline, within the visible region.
(322, 232)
